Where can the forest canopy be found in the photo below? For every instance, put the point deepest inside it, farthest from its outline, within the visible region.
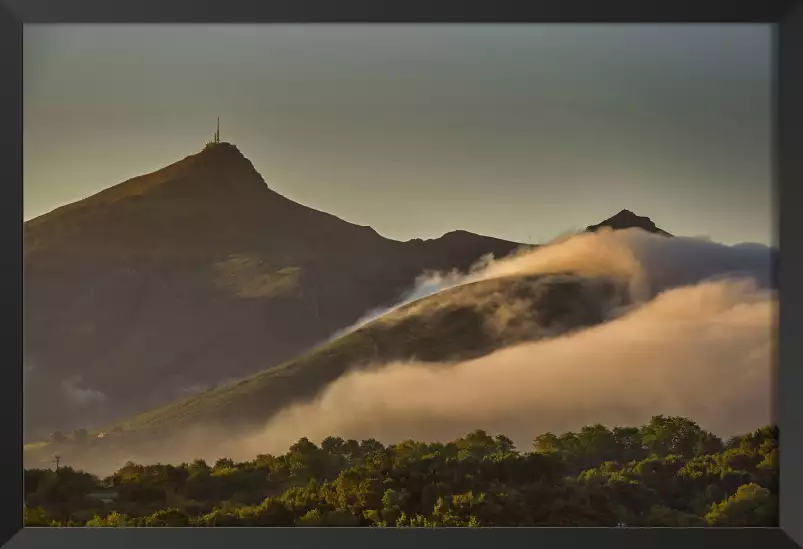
(668, 472)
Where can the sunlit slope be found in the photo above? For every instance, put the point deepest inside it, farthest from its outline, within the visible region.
(456, 324)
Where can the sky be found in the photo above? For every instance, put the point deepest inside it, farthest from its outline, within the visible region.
(522, 132)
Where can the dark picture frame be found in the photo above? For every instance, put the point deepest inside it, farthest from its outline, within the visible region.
(785, 15)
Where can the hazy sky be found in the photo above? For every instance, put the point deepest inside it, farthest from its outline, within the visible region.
(516, 131)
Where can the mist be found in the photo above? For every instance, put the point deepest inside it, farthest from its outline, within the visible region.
(697, 341)
(694, 337)
(426, 284)
(648, 263)
(702, 352)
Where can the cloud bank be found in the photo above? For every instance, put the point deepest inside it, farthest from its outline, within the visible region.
(698, 341)
(694, 337)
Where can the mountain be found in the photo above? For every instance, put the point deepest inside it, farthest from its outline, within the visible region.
(456, 324)
(627, 220)
(193, 275)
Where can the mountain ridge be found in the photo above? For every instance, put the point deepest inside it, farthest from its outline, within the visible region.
(121, 286)
(456, 324)
(195, 274)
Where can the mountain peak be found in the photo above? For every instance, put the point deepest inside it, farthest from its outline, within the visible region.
(217, 175)
(222, 154)
(225, 165)
(626, 219)
(221, 148)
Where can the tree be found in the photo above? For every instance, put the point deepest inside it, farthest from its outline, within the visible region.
(707, 444)
(199, 467)
(739, 459)
(270, 512)
(546, 443)
(311, 518)
(332, 445)
(113, 520)
(665, 435)
(352, 448)
(35, 517)
(597, 444)
(392, 503)
(370, 446)
(629, 445)
(593, 477)
(504, 444)
(168, 517)
(219, 517)
(751, 505)
(224, 463)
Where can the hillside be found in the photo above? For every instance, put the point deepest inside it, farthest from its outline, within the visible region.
(193, 275)
(456, 324)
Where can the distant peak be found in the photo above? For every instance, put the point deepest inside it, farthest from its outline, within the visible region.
(626, 219)
(457, 232)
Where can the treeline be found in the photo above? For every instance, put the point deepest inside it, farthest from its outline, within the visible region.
(669, 472)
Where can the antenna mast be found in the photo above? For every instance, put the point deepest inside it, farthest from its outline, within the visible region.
(217, 133)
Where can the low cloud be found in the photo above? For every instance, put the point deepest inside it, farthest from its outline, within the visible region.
(697, 340)
(702, 351)
(427, 284)
(690, 331)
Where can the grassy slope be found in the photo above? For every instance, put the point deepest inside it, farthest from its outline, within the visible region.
(449, 326)
(457, 334)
